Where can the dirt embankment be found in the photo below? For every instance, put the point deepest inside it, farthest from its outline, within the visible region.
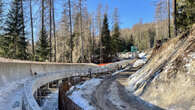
(168, 80)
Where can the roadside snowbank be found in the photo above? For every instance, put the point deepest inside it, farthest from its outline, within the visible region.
(81, 94)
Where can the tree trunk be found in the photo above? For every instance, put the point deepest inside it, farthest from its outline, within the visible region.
(174, 17)
(32, 34)
(81, 31)
(50, 30)
(54, 31)
(169, 19)
(42, 17)
(70, 26)
(99, 23)
(93, 40)
(23, 33)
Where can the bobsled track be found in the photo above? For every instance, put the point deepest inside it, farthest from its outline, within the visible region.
(35, 75)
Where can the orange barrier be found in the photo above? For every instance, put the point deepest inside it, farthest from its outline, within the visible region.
(103, 64)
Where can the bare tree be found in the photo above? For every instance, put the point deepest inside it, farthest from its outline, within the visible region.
(21, 1)
(32, 33)
(93, 38)
(70, 28)
(174, 17)
(169, 19)
(99, 24)
(50, 30)
(81, 31)
(42, 16)
(54, 32)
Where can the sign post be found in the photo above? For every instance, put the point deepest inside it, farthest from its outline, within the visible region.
(134, 51)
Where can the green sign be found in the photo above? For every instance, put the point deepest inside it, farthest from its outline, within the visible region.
(133, 49)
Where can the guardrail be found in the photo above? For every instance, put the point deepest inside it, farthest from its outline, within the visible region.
(30, 103)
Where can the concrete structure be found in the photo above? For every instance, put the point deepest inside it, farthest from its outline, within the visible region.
(12, 71)
(29, 102)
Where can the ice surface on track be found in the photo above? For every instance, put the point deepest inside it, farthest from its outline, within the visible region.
(81, 93)
(11, 95)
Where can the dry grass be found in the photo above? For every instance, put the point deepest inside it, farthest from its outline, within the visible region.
(175, 85)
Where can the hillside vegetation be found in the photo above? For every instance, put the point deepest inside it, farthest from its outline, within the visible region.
(168, 79)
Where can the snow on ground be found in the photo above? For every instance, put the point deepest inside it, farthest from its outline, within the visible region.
(142, 55)
(51, 101)
(192, 55)
(139, 62)
(125, 55)
(81, 94)
(11, 95)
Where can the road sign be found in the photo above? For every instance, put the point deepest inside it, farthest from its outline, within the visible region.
(133, 49)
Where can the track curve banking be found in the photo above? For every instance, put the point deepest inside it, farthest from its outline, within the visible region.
(30, 103)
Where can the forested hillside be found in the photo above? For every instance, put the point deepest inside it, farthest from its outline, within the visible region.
(65, 31)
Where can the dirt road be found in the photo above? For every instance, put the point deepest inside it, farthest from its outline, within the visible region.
(111, 95)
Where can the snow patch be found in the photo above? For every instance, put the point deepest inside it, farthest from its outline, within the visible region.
(80, 94)
(192, 55)
(142, 55)
(139, 62)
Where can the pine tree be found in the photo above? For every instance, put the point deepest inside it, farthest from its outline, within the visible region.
(116, 42)
(185, 14)
(106, 40)
(15, 44)
(43, 46)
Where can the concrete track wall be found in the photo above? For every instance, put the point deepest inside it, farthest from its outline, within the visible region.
(12, 71)
(29, 102)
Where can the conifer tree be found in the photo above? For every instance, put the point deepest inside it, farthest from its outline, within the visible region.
(185, 14)
(43, 46)
(116, 42)
(106, 40)
(15, 44)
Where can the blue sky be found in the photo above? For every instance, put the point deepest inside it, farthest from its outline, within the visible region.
(130, 11)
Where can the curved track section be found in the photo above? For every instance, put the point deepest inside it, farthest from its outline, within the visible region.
(29, 102)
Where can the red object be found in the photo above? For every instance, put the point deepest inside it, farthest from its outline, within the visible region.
(103, 64)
